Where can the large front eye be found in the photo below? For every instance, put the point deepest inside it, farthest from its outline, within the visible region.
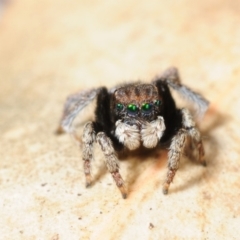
(132, 108)
(146, 107)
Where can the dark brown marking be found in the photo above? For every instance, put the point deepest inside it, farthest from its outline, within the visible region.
(137, 94)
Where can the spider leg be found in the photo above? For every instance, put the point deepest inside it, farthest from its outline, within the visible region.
(172, 78)
(178, 144)
(73, 105)
(174, 155)
(193, 132)
(88, 139)
(111, 161)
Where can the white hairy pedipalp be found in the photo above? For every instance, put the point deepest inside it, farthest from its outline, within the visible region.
(148, 134)
(128, 135)
(152, 132)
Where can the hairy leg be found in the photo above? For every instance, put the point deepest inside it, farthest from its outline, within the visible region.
(172, 78)
(174, 155)
(73, 105)
(195, 136)
(87, 151)
(111, 161)
(178, 143)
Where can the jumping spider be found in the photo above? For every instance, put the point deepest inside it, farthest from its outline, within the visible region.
(136, 115)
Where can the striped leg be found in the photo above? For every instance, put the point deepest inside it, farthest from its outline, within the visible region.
(87, 155)
(111, 161)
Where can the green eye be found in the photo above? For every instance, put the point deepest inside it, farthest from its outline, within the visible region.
(132, 108)
(146, 107)
(119, 106)
(158, 102)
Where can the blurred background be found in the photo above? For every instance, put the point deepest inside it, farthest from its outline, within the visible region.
(49, 49)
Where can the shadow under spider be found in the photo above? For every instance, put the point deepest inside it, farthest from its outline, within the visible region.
(210, 141)
(102, 170)
(211, 145)
(136, 160)
(142, 158)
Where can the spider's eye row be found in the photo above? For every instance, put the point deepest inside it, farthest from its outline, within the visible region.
(146, 107)
(119, 106)
(158, 102)
(132, 108)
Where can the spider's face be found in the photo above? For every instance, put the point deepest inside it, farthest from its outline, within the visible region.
(139, 120)
(137, 102)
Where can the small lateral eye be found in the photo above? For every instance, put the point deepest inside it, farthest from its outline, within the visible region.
(132, 108)
(119, 106)
(158, 102)
(146, 107)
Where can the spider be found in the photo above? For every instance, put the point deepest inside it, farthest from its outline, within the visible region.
(136, 115)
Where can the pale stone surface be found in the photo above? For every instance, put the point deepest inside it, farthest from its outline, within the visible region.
(49, 49)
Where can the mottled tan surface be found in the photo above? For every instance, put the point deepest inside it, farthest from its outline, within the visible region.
(49, 49)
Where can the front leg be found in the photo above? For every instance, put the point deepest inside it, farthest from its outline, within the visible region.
(111, 161)
(174, 155)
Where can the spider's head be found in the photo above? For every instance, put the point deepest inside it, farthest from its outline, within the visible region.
(137, 102)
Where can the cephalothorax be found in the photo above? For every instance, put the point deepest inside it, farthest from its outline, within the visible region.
(136, 115)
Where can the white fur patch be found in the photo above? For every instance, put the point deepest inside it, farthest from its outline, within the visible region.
(128, 135)
(152, 132)
(132, 136)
